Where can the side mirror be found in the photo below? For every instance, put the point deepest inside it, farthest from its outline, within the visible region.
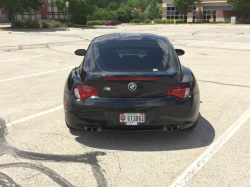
(81, 52)
(179, 52)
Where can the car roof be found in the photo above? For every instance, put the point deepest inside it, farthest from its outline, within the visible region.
(130, 36)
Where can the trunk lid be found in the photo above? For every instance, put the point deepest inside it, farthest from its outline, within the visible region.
(132, 87)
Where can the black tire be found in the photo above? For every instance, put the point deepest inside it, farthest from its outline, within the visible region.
(193, 126)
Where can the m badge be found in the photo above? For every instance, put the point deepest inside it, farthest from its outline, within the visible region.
(106, 89)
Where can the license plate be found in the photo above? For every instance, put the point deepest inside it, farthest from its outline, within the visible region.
(132, 118)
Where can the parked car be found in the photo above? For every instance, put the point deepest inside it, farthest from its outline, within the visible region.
(112, 23)
(131, 82)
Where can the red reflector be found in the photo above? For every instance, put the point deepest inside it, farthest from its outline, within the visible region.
(181, 91)
(133, 79)
(84, 91)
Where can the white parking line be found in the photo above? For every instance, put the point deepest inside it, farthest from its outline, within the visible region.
(34, 116)
(36, 74)
(15, 59)
(186, 176)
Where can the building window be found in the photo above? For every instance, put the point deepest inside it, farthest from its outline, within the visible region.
(215, 15)
(172, 13)
(194, 15)
(207, 15)
(54, 13)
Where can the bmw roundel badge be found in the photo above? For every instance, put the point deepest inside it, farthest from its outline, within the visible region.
(132, 86)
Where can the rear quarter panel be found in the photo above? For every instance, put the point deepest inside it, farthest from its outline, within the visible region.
(188, 77)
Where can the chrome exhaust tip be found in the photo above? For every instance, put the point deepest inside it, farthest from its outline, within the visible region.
(88, 129)
(169, 128)
(176, 128)
(94, 129)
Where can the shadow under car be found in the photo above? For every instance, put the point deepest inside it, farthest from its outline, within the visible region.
(202, 136)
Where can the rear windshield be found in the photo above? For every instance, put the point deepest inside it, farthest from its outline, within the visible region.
(133, 55)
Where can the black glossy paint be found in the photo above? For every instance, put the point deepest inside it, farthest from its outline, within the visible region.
(145, 89)
(81, 52)
(149, 98)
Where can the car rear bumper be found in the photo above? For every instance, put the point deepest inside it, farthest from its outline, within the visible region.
(104, 113)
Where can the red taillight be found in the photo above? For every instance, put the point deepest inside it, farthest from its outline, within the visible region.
(181, 91)
(133, 79)
(84, 91)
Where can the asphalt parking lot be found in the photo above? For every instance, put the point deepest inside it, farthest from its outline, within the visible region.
(37, 149)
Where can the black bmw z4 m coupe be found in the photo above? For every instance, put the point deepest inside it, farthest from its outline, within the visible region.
(131, 82)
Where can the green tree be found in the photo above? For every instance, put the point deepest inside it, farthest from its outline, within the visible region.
(125, 10)
(79, 9)
(99, 14)
(103, 14)
(103, 3)
(143, 4)
(122, 15)
(153, 10)
(112, 15)
(242, 6)
(112, 6)
(185, 6)
(14, 7)
(128, 9)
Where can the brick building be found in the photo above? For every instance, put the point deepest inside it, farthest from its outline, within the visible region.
(49, 11)
(206, 11)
